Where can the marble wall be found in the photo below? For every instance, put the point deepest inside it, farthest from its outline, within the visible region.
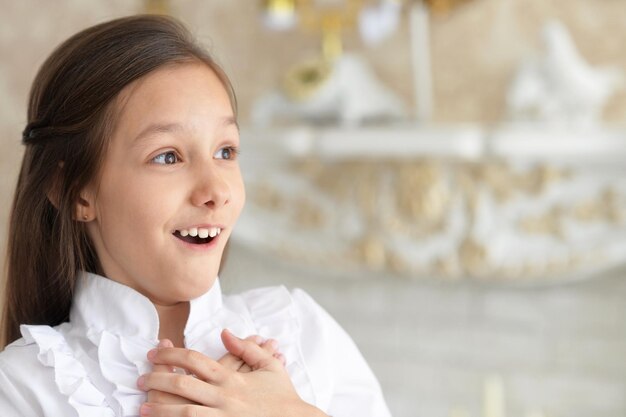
(557, 349)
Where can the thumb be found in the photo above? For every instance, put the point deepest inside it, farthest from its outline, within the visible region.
(250, 352)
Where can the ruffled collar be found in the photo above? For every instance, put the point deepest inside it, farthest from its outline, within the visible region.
(103, 304)
(122, 325)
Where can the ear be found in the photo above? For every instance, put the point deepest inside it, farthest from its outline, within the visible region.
(85, 209)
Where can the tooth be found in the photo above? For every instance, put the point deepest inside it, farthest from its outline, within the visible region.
(219, 231)
(203, 233)
(213, 232)
(193, 231)
(183, 232)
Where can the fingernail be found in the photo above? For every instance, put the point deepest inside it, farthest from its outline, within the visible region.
(281, 358)
(145, 410)
(165, 343)
(152, 354)
(141, 381)
(231, 333)
(273, 344)
(258, 340)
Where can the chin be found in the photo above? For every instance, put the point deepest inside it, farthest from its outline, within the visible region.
(190, 289)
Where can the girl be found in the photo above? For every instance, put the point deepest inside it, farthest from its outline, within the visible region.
(128, 192)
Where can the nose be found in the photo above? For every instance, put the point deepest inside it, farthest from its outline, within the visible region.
(211, 189)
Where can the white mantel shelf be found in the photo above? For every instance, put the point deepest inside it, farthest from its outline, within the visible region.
(563, 215)
(606, 145)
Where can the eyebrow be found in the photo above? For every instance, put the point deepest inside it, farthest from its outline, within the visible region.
(229, 121)
(177, 128)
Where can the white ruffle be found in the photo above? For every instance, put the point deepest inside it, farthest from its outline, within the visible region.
(205, 336)
(69, 374)
(122, 360)
(274, 314)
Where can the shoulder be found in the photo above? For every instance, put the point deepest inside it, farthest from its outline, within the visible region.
(336, 361)
(23, 357)
(296, 320)
(323, 356)
(19, 357)
(292, 317)
(41, 376)
(279, 304)
(25, 382)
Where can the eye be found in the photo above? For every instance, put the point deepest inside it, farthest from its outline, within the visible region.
(166, 158)
(229, 153)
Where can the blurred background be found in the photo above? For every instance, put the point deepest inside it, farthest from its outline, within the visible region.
(445, 177)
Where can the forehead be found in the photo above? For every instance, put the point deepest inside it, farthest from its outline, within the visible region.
(173, 93)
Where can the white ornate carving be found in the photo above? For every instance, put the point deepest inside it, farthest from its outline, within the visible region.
(346, 91)
(559, 86)
(416, 211)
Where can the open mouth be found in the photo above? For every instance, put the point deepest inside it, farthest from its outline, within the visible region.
(198, 236)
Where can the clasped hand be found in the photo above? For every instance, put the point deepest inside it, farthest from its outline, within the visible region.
(249, 381)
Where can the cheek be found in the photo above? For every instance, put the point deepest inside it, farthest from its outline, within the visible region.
(239, 196)
(133, 206)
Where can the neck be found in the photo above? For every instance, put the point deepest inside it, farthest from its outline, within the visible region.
(172, 321)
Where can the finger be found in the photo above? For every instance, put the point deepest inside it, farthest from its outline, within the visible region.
(160, 397)
(167, 410)
(270, 346)
(165, 343)
(185, 386)
(232, 362)
(244, 369)
(252, 354)
(281, 358)
(194, 362)
(259, 340)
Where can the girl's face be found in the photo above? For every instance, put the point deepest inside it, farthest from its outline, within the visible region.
(171, 171)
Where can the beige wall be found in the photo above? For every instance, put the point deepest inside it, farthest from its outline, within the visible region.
(475, 50)
(431, 344)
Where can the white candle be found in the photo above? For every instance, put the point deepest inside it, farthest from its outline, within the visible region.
(420, 58)
(494, 397)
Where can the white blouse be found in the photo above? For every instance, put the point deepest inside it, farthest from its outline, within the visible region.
(89, 366)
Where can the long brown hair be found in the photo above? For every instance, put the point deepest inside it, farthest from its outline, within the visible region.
(71, 114)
